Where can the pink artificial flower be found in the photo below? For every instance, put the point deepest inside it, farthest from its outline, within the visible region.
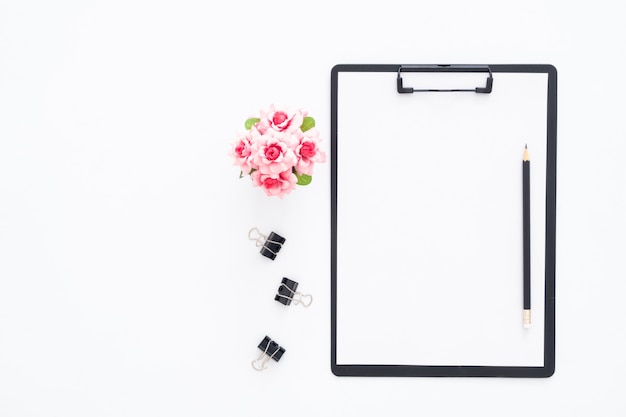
(277, 185)
(308, 152)
(241, 152)
(272, 152)
(280, 119)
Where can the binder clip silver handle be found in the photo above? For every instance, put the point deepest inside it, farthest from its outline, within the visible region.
(260, 238)
(259, 364)
(297, 297)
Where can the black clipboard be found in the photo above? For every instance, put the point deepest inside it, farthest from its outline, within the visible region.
(426, 220)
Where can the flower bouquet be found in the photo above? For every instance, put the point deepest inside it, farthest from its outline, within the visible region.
(278, 150)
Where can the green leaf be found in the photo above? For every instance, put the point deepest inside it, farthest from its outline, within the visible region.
(251, 122)
(307, 123)
(304, 179)
(241, 173)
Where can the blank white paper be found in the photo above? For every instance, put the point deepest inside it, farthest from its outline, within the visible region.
(429, 222)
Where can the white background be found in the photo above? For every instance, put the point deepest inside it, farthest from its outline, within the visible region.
(127, 284)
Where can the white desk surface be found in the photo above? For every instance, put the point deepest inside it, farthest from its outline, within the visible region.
(127, 284)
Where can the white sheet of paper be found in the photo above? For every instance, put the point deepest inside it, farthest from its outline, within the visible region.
(429, 215)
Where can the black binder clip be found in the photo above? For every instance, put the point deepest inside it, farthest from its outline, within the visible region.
(287, 293)
(270, 350)
(270, 246)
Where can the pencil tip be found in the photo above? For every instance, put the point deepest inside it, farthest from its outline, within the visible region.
(526, 146)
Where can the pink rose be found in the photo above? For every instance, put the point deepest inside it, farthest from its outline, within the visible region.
(280, 119)
(277, 185)
(308, 152)
(272, 152)
(241, 152)
(275, 152)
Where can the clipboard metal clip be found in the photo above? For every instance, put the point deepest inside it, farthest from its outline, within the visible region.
(444, 68)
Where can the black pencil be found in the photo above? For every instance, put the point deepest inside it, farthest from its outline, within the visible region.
(526, 225)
